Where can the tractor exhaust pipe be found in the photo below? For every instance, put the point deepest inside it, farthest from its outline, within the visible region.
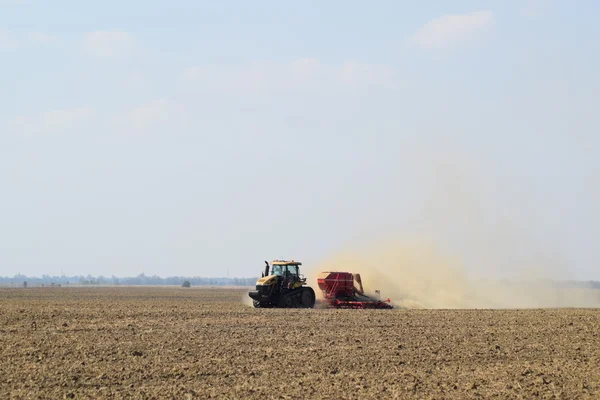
(266, 273)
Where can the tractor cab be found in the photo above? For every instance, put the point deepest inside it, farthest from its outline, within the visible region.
(283, 275)
(288, 273)
(286, 269)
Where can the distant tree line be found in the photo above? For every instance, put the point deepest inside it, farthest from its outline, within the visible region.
(139, 280)
(578, 284)
(154, 280)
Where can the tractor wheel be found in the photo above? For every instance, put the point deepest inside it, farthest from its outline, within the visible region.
(256, 303)
(307, 298)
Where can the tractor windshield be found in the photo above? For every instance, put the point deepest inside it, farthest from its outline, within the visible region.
(280, 270)
(277, 270)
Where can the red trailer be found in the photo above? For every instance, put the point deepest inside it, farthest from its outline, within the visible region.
(345, 290)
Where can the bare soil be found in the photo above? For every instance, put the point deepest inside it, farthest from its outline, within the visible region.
(203, 343)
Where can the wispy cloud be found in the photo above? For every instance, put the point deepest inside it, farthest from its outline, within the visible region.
(534, 8)
(53, 121)
(156, 115)
(451, 29)
(42, 38)
(11, 40)
(354, 72)
(109, 44)
(301, 74)
(8, 41)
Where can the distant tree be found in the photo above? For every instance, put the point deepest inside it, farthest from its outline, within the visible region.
(186, 284)
(24, 284)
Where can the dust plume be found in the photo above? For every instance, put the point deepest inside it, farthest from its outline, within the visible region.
(246, 300)
(475, 241)
(417, 275)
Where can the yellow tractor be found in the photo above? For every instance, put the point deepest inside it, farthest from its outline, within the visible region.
(283, 286)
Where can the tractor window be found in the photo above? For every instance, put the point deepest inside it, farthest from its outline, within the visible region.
(293, 269)
(277, 270)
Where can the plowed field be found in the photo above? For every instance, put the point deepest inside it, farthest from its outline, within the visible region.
(203, 343)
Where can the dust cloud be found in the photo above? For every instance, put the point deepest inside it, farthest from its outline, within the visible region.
(477, 240)
(246, 300)
(417, 275)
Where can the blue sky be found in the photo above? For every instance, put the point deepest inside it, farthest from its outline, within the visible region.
(190, 137)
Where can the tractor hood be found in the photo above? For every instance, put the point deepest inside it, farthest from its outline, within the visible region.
(267, 280)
